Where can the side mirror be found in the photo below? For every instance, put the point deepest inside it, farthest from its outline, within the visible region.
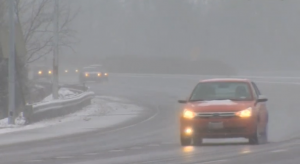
(262, 98)
(182, 101)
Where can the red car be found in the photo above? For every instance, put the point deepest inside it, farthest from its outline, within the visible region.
(224, 108)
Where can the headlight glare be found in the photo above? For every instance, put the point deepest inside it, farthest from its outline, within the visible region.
(245, 113)
(188, 114)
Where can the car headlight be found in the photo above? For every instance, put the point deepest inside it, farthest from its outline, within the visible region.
(86, 74)
(40, 72)
(188, 114)
(245, 113)
(106, 74)
(50, 72)
(99, 74)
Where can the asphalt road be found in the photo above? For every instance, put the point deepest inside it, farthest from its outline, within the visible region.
(153, 136)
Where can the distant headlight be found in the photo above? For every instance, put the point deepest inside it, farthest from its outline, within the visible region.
(86, 74)
(50, 72)
(40, 72)
(66, 71)
(99, 74)
(188, 114)
(76, 70)
(106, 74)
(245, 113)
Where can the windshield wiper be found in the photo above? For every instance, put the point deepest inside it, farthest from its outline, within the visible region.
(197, 100)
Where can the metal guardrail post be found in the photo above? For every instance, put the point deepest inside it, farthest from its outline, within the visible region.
(11, 69)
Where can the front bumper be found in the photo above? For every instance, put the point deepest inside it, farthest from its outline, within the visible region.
(42, 76)
(232, 127)
(93, 78)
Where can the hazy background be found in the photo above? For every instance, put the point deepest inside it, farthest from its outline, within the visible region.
(249, 35)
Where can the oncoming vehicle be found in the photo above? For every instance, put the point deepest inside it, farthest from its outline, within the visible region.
(103, 71)
(92, 74)
(224, 108)
(42, 72)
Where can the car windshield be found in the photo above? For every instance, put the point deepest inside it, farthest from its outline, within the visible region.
(42, 69)
(236, 91)
(91, 69)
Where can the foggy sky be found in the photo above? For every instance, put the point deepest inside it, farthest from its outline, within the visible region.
(248, 34)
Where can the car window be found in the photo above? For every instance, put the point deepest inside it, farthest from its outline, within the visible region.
(256, 89)
(90, 69)
(238, 91)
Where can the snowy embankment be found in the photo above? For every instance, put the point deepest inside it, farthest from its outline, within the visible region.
(63, 93)
(92, 117)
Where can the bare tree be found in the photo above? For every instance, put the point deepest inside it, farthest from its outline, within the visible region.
(35, 17)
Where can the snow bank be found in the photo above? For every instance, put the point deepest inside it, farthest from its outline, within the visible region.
(99, 107)
(63, 93)
(19, 121)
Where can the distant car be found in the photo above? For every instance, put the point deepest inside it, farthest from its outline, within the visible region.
(92, 74)
(42, 72)
(224, 108)
(102, 69)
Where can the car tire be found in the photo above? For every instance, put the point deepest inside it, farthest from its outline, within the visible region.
(185, 141)
(197, 141)
(265, 135)
(259, 137)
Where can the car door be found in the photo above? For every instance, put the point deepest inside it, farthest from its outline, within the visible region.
(261, 106)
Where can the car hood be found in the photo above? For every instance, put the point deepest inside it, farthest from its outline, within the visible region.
(93, 72)
(219, 106)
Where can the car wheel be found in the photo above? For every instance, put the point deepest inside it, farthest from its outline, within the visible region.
(197, 141)
(185, 141)
(259, 137)
(265, 135)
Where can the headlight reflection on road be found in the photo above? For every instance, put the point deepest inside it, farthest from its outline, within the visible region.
(245, 150)
(187, 152)
(188, 149)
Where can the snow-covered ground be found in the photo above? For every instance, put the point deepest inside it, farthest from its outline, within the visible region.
(92, 117)
(63, 93)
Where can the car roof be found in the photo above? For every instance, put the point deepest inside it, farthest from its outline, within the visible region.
(89, 67)
(226, 80)
(95, 65)
(42, 67)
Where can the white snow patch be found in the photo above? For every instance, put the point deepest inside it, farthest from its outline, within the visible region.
(98, 108)
(217, 102)
(19, 121)
(63, 93)
(112, 98)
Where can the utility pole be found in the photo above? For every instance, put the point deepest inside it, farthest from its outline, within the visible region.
(11, 66)
(55, 50)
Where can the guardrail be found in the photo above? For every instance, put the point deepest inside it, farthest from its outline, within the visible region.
(47, 110)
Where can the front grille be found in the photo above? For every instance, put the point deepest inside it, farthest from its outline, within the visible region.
(215, 115)
(225, 130)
